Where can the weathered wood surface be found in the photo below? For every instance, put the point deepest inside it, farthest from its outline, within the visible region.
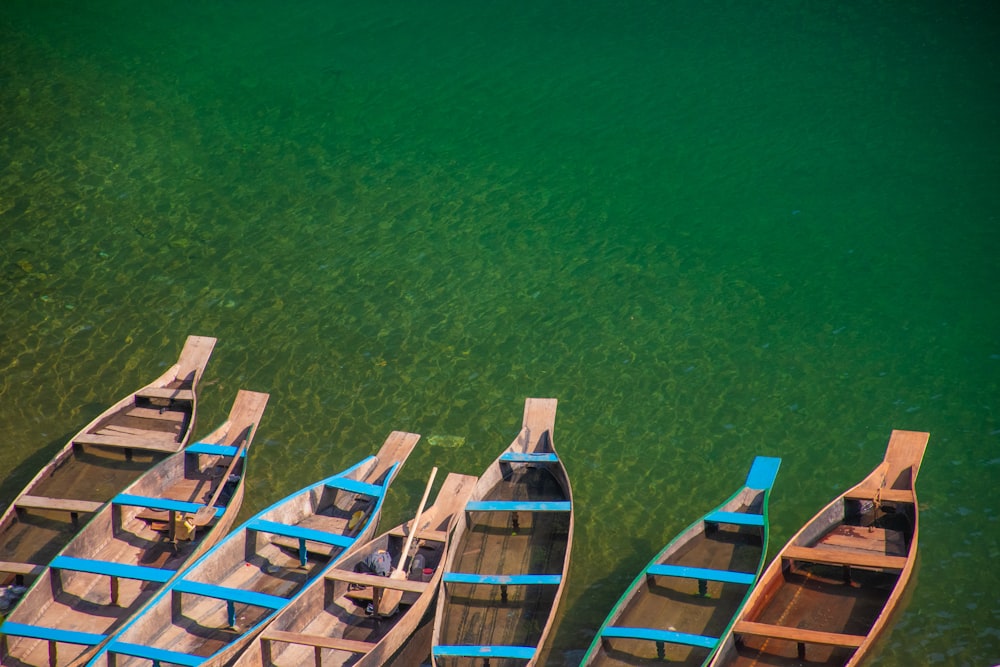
(841, 576)
(96, 603)
(253, 567)
(330, 612)
(93, 473)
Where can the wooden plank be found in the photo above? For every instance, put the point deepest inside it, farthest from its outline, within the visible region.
(426, 535)
(158, 414)
(874, 540)
(26, 569)
(132, 432)
(887, 495)
(798, 634)
(126, 442)
(59, 504)
(336, 643)
(844, 557)
(374, 580)
(163, 392)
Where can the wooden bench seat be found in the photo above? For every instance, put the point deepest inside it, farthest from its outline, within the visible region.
(476, 651)
(375, 581)
(158, 414)
(853, 558)
(157, 655)
(657, 635)
(426, 535)
(518, 506)
(128, 442)
(736, 518)
(798, 634)
(529, 457)
(59, 504)
(888, 495)
(165, 393)
(503, 579)
(22, 569)
(317, 641)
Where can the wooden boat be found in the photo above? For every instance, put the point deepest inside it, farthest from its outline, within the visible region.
(331, 622)
(688, 596)
(107, 455)
(832, 588)
(134, 544)
(209, 613)
(503, 581)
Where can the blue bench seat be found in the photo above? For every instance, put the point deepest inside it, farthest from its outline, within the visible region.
(164, 504)
(737, 518)
(300, 533)
(231, 594)
(50, 634)
(522, 457)
(518, 506)
(502, 579)
(110, 569)
(701, 573)
(472, 651)
(213, 449)
(656, 635)
(354, 486)
(157, 655)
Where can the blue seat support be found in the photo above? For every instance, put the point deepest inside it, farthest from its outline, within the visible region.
(354, 486)
(502, 579)
(301, 534)
(50, 634)
(655, 635)
(518, 506)
(702, 574)
(737, 518)
(211, 448)
(157, 655)
(166, 504)
(231, 594)
(512, 652)
(110, 569)
(522, 457)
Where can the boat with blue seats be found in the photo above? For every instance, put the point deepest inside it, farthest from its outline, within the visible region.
(504, 580)
(680, 605)
(208, 614)
(136, 543)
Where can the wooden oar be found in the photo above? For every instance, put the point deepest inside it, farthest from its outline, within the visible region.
(204, 515)
(389, 603)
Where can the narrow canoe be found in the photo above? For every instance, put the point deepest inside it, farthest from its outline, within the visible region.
(688, 596)
(106, 455)
(208, 614)
(832, 588)
(330, 624)
(135, 544)
(503, 582)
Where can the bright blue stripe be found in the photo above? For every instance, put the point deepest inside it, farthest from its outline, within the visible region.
(230, 594)
(518, 506)
(502, 579)
(725, 576)
(299, 532)
(762, 472)
(50, 634)
(211, 448)
(520, 457)
(354, 486)
(109, 569)
(738, 518)
(514, 652)
(166, 504)
(655, 635)
(155, 654)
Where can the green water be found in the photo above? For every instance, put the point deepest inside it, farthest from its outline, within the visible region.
(712, 230)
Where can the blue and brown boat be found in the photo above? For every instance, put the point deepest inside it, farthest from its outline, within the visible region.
(208, 614)
(136, 543)
(682, 603)
(503, 582)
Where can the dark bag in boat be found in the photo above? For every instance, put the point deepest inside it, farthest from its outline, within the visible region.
(379, 563)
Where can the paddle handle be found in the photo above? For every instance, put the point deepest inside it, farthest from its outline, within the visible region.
(416, 519)
(232, 465)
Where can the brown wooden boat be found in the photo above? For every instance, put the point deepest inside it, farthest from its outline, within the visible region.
(336, 620)
(206, 616)
(107, 455)
(504, 580)
(133, 545)
(833, 587)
